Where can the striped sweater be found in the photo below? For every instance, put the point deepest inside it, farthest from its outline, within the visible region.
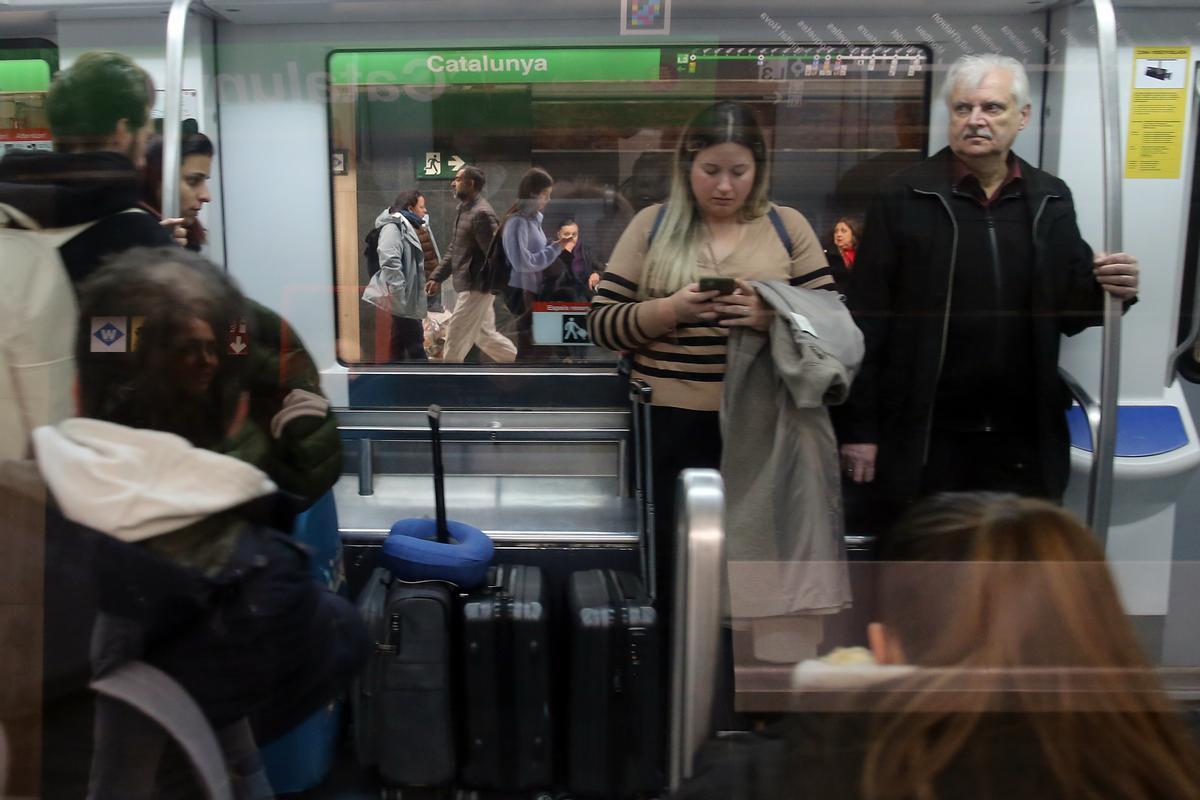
(686, 365)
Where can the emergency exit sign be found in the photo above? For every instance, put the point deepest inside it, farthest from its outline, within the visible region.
(435, 164)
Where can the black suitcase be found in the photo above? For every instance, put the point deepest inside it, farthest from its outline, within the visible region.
(616, 707)
(402, 701)
(508, 738)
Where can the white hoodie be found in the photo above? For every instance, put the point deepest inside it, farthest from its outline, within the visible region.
(135, 484)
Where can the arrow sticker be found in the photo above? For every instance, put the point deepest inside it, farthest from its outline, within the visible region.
(237, 338)
(455, 163)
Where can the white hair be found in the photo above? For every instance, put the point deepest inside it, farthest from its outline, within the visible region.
(971, 70)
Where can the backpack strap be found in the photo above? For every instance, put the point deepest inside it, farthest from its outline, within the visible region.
(781, 229)
(772, 214)
(12, 217)
(658, 218)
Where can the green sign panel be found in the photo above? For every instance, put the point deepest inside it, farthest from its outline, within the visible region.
(26, 75)
(438, 164)
(439, 67)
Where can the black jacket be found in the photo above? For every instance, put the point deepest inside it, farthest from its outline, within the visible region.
(63, 189)
(900, 297)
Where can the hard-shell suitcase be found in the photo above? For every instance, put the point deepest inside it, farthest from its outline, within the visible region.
(403, 700)
(508, 735)
(616, 706)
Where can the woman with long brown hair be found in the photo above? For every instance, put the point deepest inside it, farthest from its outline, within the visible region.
(528, 251)
(1020, 675)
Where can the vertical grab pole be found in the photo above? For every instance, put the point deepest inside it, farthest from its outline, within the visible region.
(173, 107)
(1100, 484)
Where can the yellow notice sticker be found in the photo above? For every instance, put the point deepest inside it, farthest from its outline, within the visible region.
(1157, 108)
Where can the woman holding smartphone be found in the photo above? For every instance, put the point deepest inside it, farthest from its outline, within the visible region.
(677, 283)
(528, 251)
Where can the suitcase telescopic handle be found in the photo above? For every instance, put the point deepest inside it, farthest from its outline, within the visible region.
(640, 394)
(439, 476)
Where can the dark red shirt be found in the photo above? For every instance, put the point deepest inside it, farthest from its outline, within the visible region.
(965, 181)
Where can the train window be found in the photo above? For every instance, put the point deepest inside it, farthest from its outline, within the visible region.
(603, 122)
(25, 69)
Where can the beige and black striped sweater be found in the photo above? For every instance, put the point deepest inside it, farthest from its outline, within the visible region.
(686, 365)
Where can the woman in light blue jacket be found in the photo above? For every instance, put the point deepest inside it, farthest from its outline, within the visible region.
(528, 251)
(399, 285)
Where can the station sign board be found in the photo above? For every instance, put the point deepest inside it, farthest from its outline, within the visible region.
(560, 322)
(442, 67)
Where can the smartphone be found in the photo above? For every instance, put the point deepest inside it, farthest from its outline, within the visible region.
(722, 285)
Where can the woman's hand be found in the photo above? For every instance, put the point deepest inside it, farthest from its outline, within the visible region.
(174, 226)
(744, 308)
(689, 304)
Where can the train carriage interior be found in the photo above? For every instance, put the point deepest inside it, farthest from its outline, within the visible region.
(322, 112)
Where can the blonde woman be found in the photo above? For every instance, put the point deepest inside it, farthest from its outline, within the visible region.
(717, 223)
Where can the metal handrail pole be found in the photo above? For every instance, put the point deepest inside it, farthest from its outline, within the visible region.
(173, 107)
(1100, 484)
(696, 622)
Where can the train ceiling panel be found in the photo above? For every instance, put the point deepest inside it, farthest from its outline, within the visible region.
(14, 13)
(354, 11)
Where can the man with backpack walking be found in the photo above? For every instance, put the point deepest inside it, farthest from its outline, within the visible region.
(473, 321)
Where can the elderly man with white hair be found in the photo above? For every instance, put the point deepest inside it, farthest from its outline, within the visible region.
(970, 269)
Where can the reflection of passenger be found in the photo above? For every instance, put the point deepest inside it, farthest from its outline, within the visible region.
(716, 222)
(192, 575)
(846, 234)
(1004, 660)
(528, 251)
(960, 387)
(858, 184)
(399, 285)
(572, 276)
(650, 181)
(474, 319)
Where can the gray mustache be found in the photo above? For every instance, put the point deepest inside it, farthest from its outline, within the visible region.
(981, 132)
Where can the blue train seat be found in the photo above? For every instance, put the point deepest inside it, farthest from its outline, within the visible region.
(1142, 431)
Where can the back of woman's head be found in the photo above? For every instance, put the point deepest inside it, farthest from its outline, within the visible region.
(1006, 605)
(995, 580)
(533, 183)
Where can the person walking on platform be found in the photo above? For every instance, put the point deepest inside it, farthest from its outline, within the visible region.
(527, 250)
(971, 268)
(399, 285)
(473, 321)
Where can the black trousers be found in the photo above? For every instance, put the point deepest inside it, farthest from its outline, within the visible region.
(996, 461)
(407, 340)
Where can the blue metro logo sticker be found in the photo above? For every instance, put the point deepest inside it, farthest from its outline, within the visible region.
(109, 334)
